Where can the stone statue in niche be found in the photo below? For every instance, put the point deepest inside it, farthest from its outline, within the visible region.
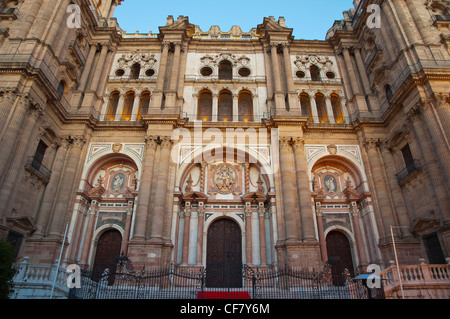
(118, 182)
(330, 184)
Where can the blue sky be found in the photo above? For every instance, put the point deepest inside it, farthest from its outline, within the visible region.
(310, 19)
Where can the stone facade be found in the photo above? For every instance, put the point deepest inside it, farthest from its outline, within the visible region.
(141, 142)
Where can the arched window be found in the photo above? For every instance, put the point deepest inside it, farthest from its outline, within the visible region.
(225, 70)
(61, 89)
(338, 113)
(112, 106)
(245, 105)
(225, 106)
(204, 108)
(321, 108)
(315, 73)
(135, 71)
(305, 102)
(127, 107)
(389, 93)
(144, 104)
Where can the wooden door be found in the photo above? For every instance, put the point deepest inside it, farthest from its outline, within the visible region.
(108, 249)
(224, 255)
(339, 256)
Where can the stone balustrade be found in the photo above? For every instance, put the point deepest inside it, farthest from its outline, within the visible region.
(418, 281)
(36, 281)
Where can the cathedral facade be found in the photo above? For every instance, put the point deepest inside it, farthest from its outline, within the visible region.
(202, 148)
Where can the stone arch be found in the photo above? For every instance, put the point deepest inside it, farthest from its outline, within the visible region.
(225, 107)
(225, 70)
(135, 71)
(98, 166)
(205, 105)
(245, 105)
(113, 102)
(107, 154)
(345, 166)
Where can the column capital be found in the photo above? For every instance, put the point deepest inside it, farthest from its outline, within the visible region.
(105, 45)
(285, 141)
(166, 142)
(151, 141)
(78, 141)
(354, 211)
(319, 211)
(70, 141)
(370, 143)
(442, 98)
(299, 143)
(8, 95)
(187, 212)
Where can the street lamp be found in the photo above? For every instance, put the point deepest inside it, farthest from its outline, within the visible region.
(396, 259)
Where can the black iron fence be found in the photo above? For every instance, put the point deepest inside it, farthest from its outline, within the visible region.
(174, 282)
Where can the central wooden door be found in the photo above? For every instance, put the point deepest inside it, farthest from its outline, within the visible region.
(339, 256)
(108, 249)
(224, 255)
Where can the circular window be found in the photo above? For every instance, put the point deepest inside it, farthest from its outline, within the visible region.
(120, 72)
(206, 71)
(150, 72)
(331, 75)
(300, 74)
(244, 72)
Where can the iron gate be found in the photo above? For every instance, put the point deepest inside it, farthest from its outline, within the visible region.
(174, 282)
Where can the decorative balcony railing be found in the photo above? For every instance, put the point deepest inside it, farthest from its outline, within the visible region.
(409, 171)
(415, 279)
(37, 281)
(36, 167)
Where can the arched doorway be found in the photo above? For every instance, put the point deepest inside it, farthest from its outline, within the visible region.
(339, 255)
(108, 248)
(224, 255)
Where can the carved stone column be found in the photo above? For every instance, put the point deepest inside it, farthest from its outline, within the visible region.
(386, 215)
(66, 186)
(6, 105)
(292, 94)
(262, 236)
(291, 211)
(322, 242)
(135, 111)
(248, 234)
(201, 223)
(92, 217)
(397, 194)
(186, 233)
(13, 171)
(431, 164)
(12, 132)
(48, 199)
(161, 192)
(99, 67)
(304, 192)
(438, 136)
(159, 92)
(142, 210)
(358, 237)
(127, 230)
(442, 105)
